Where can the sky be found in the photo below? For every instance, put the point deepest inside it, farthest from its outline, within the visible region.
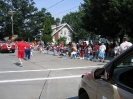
(59, 8)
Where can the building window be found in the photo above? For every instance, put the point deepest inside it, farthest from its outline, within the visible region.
(61, 31)
(68, 32)
(65, 32)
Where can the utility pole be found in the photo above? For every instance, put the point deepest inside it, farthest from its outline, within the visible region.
(12, 13)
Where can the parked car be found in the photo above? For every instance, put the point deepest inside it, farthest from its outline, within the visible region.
(112, 81)
(6, 46)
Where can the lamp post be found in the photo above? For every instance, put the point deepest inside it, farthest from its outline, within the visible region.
(12, 13)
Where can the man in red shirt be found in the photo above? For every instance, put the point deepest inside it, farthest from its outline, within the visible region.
(21, 51)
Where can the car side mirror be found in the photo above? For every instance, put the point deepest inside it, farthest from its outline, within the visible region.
(98, 73)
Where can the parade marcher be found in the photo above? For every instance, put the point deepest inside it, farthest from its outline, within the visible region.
(21, 51)
(27, 50)
(125, 44)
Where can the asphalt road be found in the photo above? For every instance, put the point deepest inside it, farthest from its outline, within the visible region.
(43, 77)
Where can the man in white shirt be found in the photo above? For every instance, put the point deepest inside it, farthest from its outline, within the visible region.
(125, 44)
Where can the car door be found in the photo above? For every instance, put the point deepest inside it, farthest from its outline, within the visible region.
(111, 90)
(123, 92)
(90, 86)
(105, 90)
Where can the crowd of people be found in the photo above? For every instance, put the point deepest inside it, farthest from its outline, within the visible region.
(74, 50)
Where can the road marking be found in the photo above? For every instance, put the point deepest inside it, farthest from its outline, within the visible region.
(48, 69)
(37, 79)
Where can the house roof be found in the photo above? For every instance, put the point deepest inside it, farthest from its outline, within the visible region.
(60, 27)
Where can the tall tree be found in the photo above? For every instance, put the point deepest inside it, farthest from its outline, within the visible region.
(27, 18)
(47, 30)
(74, 20)
(110, 17)
(47, 26)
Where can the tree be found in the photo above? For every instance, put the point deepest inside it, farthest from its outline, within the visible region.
(110, 17)
(74, 20)
(62, 39)
(47, 30)
(47, 27)
(57, 20)
(26, 19)
(47, 38)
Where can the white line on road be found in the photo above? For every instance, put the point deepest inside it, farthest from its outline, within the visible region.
(36, 79)
(48, 69)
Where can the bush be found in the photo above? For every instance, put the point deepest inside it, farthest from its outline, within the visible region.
(47, 38)
(62, 39)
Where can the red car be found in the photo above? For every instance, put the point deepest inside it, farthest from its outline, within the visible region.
(6, 46)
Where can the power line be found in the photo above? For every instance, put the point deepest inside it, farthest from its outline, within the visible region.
(66, 10)
(62, 11)
(55, 4)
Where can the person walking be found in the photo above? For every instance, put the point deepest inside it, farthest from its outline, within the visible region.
(21, 51)
(27, 50)
(125, 44)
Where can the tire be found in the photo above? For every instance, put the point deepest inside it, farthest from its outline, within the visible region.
(13, 51)
(83, 96)
(1, 51)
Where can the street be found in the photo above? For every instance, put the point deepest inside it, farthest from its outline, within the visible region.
(43, 77)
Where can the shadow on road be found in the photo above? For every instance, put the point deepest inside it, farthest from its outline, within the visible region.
(17, 64)
(73, 97)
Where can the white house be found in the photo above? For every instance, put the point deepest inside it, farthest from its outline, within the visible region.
(62, 30)
(59, 30)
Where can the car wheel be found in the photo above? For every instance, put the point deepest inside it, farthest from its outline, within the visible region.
(13, 51)
(83, 96)
(0, 51)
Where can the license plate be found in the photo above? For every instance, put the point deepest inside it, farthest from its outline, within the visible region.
(8, 49)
